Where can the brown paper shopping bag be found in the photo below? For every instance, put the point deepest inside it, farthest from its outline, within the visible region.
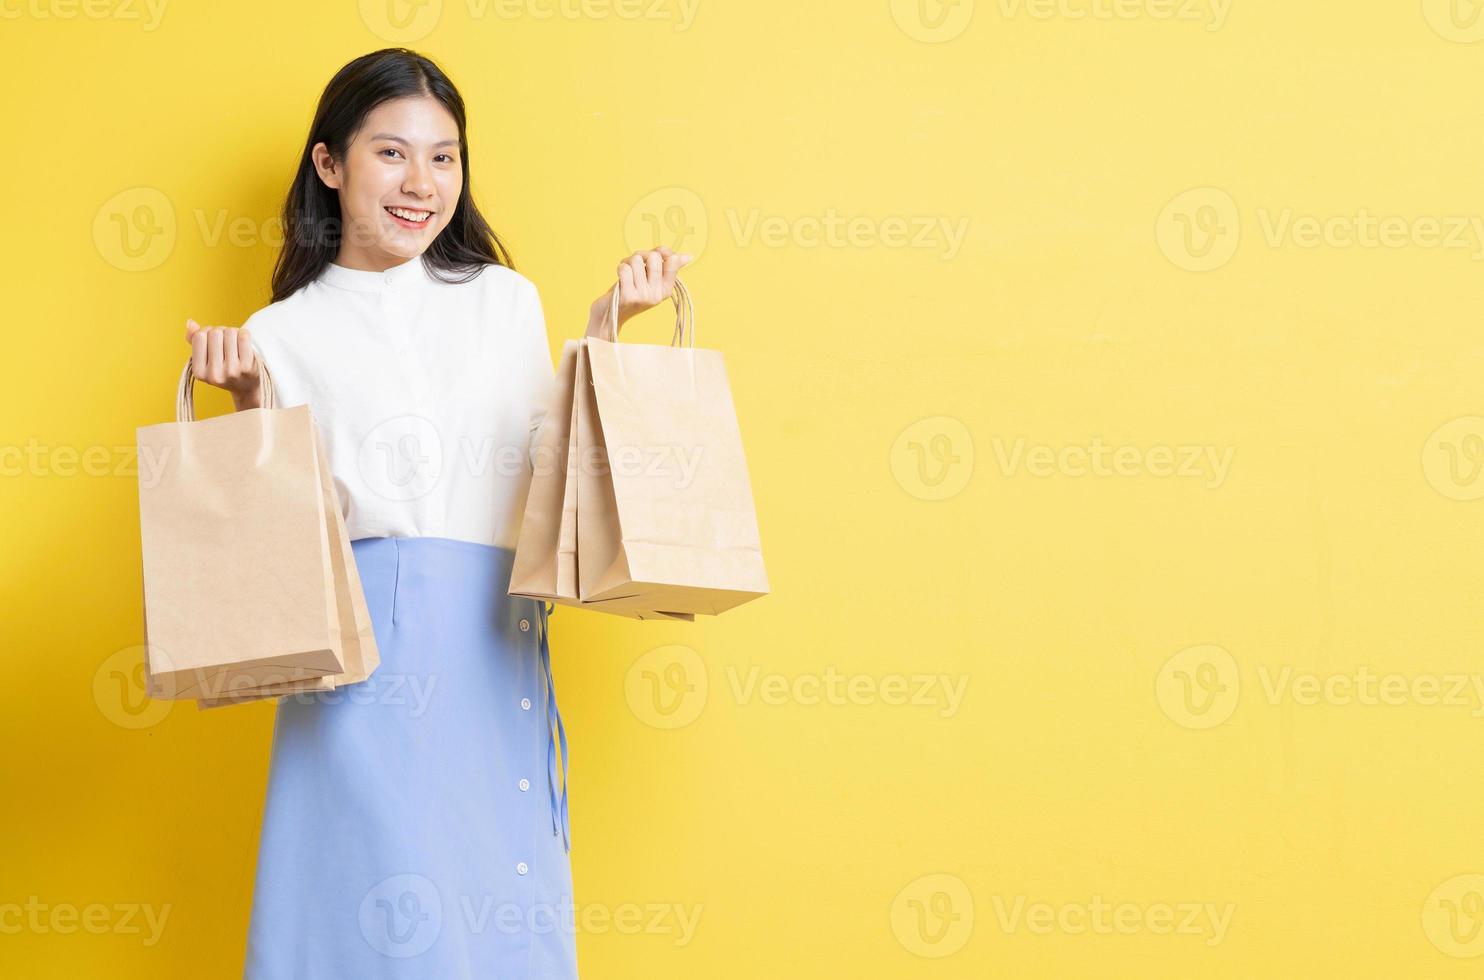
(545, 562)
(238, 576)
(358, 639)
(665, 514)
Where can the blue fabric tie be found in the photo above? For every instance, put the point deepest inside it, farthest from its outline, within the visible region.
(559, 812)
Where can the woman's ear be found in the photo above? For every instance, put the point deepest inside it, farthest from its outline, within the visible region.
(330, 173)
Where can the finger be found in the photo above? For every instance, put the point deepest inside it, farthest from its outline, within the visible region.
(229, 353)
(198, 353)
(246, 362)
(655, 264)
(625, 280)
(672, 268)
(214, 356)
(640, 277)
(191, 327)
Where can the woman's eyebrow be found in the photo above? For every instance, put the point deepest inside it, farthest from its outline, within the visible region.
(398, 139)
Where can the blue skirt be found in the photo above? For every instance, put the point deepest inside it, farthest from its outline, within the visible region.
(415, 825)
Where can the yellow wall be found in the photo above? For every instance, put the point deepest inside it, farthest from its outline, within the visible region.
(1234, 247)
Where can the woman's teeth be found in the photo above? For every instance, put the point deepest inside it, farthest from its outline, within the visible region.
(416, 217)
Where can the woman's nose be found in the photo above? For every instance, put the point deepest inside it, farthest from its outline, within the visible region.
(419, 180)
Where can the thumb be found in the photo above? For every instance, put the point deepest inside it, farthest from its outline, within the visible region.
(191, 327)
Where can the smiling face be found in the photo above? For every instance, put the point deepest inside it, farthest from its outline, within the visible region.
(398, 183)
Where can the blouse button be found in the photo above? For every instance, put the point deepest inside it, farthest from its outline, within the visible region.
(521, 868)
(525, 704)
(525, 625)
(525, 784)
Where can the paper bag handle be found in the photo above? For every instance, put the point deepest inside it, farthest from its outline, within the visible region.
(185, 392)
(685, 316)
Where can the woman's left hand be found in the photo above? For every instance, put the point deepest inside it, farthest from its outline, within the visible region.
(645, 279)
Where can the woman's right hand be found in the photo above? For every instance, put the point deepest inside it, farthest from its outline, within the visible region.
(223, 356)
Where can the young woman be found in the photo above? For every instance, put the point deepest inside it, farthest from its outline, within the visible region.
(415, 824)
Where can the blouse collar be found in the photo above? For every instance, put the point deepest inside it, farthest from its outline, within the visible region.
(365, 281)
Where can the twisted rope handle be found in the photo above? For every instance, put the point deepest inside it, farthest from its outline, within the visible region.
(185, 392)
(685, 316)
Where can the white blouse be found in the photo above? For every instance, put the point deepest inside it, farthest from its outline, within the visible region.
(427, 394)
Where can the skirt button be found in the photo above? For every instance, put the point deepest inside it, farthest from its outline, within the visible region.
(525, 625)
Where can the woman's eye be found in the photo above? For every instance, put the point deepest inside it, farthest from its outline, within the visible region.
(392, 149)
(445, 158)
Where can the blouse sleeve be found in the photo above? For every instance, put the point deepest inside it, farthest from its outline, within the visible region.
(532, 321)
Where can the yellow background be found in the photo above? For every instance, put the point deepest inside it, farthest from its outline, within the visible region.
(1165, 209)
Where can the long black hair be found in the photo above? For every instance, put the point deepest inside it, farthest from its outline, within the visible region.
(312, 223)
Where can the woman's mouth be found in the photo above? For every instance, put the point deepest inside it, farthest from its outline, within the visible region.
(409, 217)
